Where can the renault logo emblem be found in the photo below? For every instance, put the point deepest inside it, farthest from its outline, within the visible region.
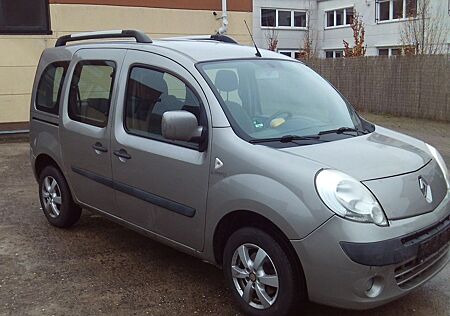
(425, 188)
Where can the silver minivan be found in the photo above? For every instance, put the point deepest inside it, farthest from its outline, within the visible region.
(245, 159)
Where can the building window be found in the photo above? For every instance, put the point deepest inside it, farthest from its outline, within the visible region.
(411, 8)
(299, 19)
(24, 17)
(283, 18)
(330, 18)
(396, 9)
(396, 51)
(293, 53)
(337, 53)
(384, 8)
(349, 16)
(268, 17)
(383, 51)
(340, 17)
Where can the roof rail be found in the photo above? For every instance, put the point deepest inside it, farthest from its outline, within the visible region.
(215, 37)
(140, 36)
(223, 38)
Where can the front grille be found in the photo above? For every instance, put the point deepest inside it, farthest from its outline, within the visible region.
(425, 233)
(411, 273)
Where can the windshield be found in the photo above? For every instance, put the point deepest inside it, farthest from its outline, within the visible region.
(265, 99)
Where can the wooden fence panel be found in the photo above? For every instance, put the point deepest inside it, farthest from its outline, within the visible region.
(413, 86)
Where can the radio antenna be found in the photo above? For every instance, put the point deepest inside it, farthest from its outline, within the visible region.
(258, 53)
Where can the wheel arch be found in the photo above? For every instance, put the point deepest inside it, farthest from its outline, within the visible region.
(43, 160)
(235, 220)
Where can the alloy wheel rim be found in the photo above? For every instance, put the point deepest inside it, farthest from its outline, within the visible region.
(51, 197)
(255, 276)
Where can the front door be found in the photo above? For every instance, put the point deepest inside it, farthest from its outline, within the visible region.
(161, 185)
(85, 132)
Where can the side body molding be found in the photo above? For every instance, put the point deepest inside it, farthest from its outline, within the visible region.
(137, 193)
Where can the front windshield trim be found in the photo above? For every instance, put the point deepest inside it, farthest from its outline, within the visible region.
(233, 123)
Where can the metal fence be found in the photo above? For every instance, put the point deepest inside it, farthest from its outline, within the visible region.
(413, 86)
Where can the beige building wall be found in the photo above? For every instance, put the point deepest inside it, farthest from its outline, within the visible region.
(19, 54)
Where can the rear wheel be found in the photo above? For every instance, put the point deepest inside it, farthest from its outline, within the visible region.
(261, 274)
(56, 199)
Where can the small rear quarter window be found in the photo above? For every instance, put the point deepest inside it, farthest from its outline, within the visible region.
(50, 86)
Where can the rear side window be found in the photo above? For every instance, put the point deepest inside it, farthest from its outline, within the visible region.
(90, 92)
(151, 93)
(50, 86)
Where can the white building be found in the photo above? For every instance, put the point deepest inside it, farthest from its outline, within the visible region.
(329, 22)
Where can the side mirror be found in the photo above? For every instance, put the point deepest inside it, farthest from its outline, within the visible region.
(180, 125)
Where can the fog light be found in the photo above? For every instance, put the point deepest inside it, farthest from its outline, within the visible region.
(369, 284)
(374, 286)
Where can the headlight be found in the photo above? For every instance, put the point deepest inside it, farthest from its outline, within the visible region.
(437, 156)
(349, 198)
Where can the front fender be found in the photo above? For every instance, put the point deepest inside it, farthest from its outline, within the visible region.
(264, 196)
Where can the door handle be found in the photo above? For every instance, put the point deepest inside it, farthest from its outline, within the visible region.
(122, 155)
(98, 147)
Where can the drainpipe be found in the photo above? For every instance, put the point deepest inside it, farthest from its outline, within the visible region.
(224, 28)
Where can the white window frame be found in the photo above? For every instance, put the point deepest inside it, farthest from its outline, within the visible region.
(391, 12)
(335, 18)
(291, 51)
(292, 27)
(390, 48)
(334, 52)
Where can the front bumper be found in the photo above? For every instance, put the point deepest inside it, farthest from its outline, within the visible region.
(360, 266)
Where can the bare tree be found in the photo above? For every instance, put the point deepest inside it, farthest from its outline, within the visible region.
(425, 30)
(272, 39)
(308, 49)
(359, 48)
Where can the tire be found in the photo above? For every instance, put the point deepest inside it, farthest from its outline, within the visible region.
(56, 199)
(281, 300)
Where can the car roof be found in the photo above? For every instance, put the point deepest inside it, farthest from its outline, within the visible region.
(198, 50)
(201, 50)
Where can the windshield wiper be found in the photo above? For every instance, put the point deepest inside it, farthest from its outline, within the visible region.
(284, 139)
(342, 130)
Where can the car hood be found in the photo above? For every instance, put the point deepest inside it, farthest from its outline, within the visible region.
(380, 154)
(391, 165)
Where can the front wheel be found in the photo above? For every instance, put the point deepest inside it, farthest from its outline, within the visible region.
(261, 274)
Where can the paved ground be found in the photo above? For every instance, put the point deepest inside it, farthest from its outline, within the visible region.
(99, 267)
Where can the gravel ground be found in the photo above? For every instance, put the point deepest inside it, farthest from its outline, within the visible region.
(99, 267)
